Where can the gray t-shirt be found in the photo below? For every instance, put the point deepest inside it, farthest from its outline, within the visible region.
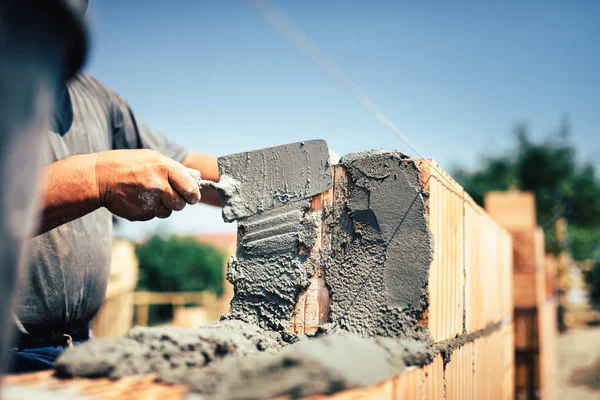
(70, 265)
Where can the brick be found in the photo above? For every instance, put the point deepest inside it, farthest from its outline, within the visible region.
(513, 210)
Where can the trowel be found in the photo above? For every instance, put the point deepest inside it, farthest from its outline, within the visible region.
(256, 181)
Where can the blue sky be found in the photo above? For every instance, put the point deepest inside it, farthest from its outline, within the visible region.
(453, 76)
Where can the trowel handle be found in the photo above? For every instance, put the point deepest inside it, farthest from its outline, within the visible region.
(204, 182)
(194, 173)
(201, 182)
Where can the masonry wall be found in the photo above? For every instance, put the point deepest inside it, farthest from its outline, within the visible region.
(469, 297)
(395, 249)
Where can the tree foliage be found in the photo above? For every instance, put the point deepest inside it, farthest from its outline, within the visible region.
(563, 187)
(171, 264)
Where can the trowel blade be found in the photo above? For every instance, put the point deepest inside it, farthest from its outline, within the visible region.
(260, 180)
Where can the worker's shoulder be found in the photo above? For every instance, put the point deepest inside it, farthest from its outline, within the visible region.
(88, 86)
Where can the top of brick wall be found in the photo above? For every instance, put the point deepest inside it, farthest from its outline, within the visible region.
(513, 210)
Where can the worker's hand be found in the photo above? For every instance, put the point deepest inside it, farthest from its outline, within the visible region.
(142, 184)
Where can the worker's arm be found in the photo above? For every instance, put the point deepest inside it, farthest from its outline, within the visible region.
(207, 165)
(134, 184)
(130, 132)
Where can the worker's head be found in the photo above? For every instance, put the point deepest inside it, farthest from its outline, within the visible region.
(76, 11)
(78, 7)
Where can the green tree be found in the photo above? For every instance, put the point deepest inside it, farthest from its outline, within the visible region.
(563, 187)
(171, 264)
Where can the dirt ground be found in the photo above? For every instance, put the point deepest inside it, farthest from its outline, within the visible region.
(578, 354)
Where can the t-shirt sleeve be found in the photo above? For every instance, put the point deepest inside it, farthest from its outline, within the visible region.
(130, 132)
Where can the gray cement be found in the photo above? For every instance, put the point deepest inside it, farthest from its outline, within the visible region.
(269, 273)
(165, 350)
(248, 363)
(447, 347)
(378, 266)
(377, 271)
(324, 365)
(261, 180)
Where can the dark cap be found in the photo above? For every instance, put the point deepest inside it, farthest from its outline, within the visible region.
(76, 34)
(78, 7)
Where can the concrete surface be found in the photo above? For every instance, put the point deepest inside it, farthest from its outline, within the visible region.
(579, 364)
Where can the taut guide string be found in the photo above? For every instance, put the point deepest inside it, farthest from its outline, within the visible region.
(277, 18)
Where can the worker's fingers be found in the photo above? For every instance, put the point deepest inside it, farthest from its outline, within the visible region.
(194, 173)
(172, 200)
(183, 183)
(143, 216)
(162, 212)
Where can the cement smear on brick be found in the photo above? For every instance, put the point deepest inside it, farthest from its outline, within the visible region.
(446, 347)
(269, 272)
(378, 269)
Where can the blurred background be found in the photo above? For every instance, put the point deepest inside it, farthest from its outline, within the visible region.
(504, 95)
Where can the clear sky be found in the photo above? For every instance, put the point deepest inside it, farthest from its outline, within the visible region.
(453, 76)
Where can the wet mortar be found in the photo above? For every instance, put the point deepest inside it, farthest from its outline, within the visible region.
(165, 351)
(377, 270)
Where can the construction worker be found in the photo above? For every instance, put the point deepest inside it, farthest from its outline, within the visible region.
(102, 160)
(42, 44)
